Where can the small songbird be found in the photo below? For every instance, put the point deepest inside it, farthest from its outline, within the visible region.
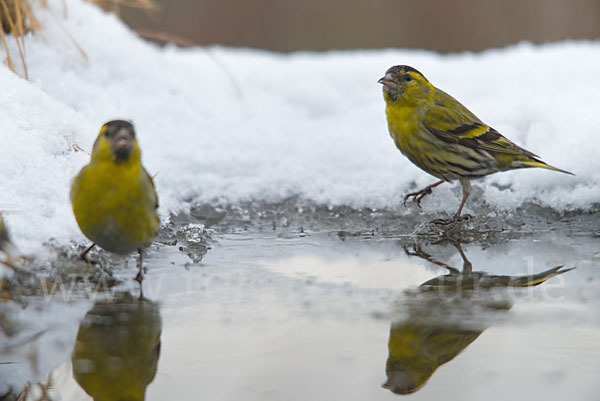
(113, 197)
(116, 352)
(444, 138)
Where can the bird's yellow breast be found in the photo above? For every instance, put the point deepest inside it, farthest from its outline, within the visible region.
(405, 127)
(115, 205)
(403, 124)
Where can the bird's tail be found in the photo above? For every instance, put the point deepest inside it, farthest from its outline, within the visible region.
(538, 163)
(536, 279)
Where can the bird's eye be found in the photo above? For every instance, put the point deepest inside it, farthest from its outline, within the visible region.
(407, 78)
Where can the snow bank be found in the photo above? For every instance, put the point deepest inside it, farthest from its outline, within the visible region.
(309, 124)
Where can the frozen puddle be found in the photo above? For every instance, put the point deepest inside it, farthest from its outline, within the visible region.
(325, 316)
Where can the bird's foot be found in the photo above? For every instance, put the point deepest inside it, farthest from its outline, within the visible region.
(417, 196)
(83, 255)
(139, 277)
(453, 220)
(89, 261)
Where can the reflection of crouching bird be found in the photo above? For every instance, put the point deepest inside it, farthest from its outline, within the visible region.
(113, 197)
(420, 343)
(117, 349)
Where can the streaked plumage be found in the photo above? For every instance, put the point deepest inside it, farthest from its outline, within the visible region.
(442, 137)
(444, 316)
(113, 197)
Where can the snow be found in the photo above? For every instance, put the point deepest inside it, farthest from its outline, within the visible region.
(224, 125)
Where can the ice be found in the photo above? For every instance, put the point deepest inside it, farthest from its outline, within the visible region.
(224, 125)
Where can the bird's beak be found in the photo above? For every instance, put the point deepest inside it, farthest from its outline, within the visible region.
(122, 144)
(389, 82)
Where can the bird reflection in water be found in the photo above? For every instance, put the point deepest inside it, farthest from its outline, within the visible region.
(117, 349)
(443, 316)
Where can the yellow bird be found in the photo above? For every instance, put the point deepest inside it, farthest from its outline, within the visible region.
(117, 349)
(432, 330)
(444, 138)
(113, 197)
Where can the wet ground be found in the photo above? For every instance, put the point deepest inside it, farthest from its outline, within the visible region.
(297, 302)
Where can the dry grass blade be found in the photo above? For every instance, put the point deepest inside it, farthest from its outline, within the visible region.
(21, 36)
(165, 37)
(234, 82)
(20, 24)
(11, 265)
(41, 391)
(61, 25)
(115, 5)
(11, 65)
(15, 31)
(17, 18)
(29, 15)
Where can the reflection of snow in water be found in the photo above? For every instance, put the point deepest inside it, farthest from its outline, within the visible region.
(34, 339)
(390, 274)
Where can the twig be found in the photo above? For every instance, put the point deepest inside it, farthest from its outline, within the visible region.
(166, 37)
(234, 82)
(75, 43)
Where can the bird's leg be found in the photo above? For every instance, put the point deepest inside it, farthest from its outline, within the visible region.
(422, 193)
(140, 275)
(418, 251)
(466, 187)
(467, 266)
(84, 253)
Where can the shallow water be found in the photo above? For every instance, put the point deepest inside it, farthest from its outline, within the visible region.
(324, 315)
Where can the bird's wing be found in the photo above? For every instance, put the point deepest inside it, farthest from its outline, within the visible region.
(464, 128)
(153, 188)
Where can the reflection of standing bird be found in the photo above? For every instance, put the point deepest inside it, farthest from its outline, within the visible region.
(442, 137)
(416, 350)
(421, 342)
(113, 197)
(117, 349)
